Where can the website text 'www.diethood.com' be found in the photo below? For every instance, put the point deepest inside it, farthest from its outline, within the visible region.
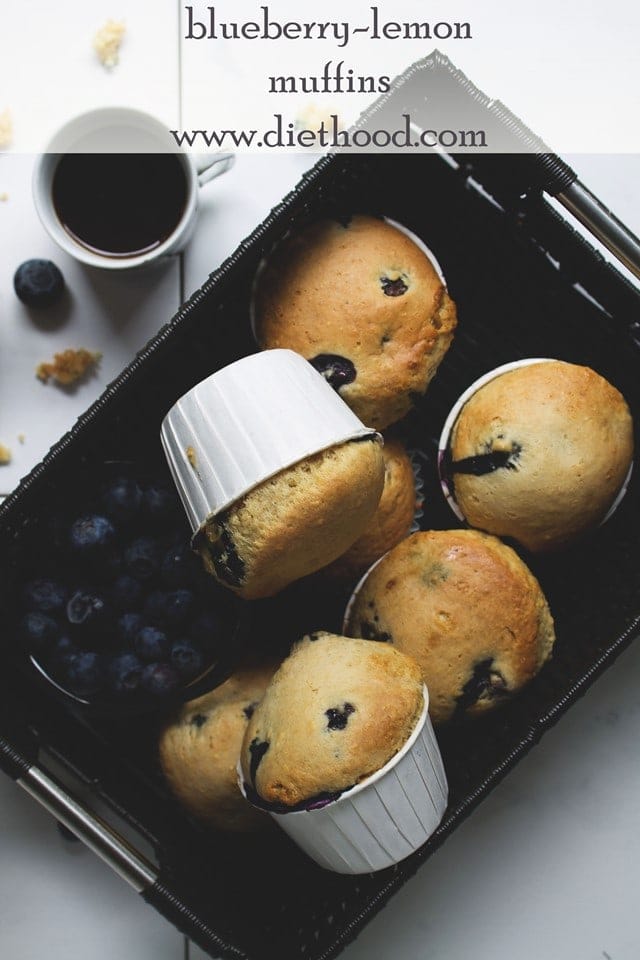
(328, 134)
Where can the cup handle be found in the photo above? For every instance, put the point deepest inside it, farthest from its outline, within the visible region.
(208, 167)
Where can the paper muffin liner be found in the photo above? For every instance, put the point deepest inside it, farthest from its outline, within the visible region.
(418, 483)
(443, 443)
(265, 260)
(419, 242)
(381, 820)
(356, 590)
(246, 423)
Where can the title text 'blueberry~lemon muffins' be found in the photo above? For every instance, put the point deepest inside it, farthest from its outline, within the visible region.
(466, 608)
(365, 305)
(539, 451)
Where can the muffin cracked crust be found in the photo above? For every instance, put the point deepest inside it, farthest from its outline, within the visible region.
(365, 306)
(466, 608)
(335, 712)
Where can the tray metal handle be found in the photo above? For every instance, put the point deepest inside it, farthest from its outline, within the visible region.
(95, 832)
(603, 224)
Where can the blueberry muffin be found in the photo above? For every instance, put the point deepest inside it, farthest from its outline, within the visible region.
(540, 453)
(392, 520)
(297, 521)
(335, 712)
(466, 608)
(365, 305)
(199, 751)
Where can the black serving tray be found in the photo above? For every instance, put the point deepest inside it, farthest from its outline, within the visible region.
(525, 285)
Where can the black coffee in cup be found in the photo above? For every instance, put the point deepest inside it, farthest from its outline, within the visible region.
(120, 204)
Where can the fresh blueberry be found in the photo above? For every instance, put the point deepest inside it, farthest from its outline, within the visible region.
(91, 535)
(178, 566)
(124, 674)
(159, 679)
(122, 498)
(187, 659)
(47, 596)
(126, 592)
(85, 674)
(337, 371)
(160, 501)
(141, 558)
(178, 607)
(38, 283)
(88, 609)
(39, 631)
(111, 563)
(151, 644)
(155, 607)
(128, 626)
(63, 652)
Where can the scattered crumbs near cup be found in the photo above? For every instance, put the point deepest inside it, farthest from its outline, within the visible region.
(5, 455)
(21, 438)
(4, 197)
(107, 42)
(68, 367)
(6, 129)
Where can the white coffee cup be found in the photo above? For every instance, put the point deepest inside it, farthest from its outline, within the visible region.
(120, 130)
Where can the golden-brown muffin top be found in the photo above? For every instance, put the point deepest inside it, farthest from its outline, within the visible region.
(335, 712)
(466, 608)
(566, 436)
(365, 305)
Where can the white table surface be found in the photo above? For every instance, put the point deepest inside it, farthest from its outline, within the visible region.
(548, 866)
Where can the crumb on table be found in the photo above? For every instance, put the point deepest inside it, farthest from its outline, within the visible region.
(68, 367)
(4, 197)
(6, 128)
(107, 42)
(21, 438)
(5, 455)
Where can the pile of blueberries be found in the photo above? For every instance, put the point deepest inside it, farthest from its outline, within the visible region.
(128, 612)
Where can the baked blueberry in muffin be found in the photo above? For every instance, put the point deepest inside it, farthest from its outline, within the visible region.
(365, 305)
(468, 611)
